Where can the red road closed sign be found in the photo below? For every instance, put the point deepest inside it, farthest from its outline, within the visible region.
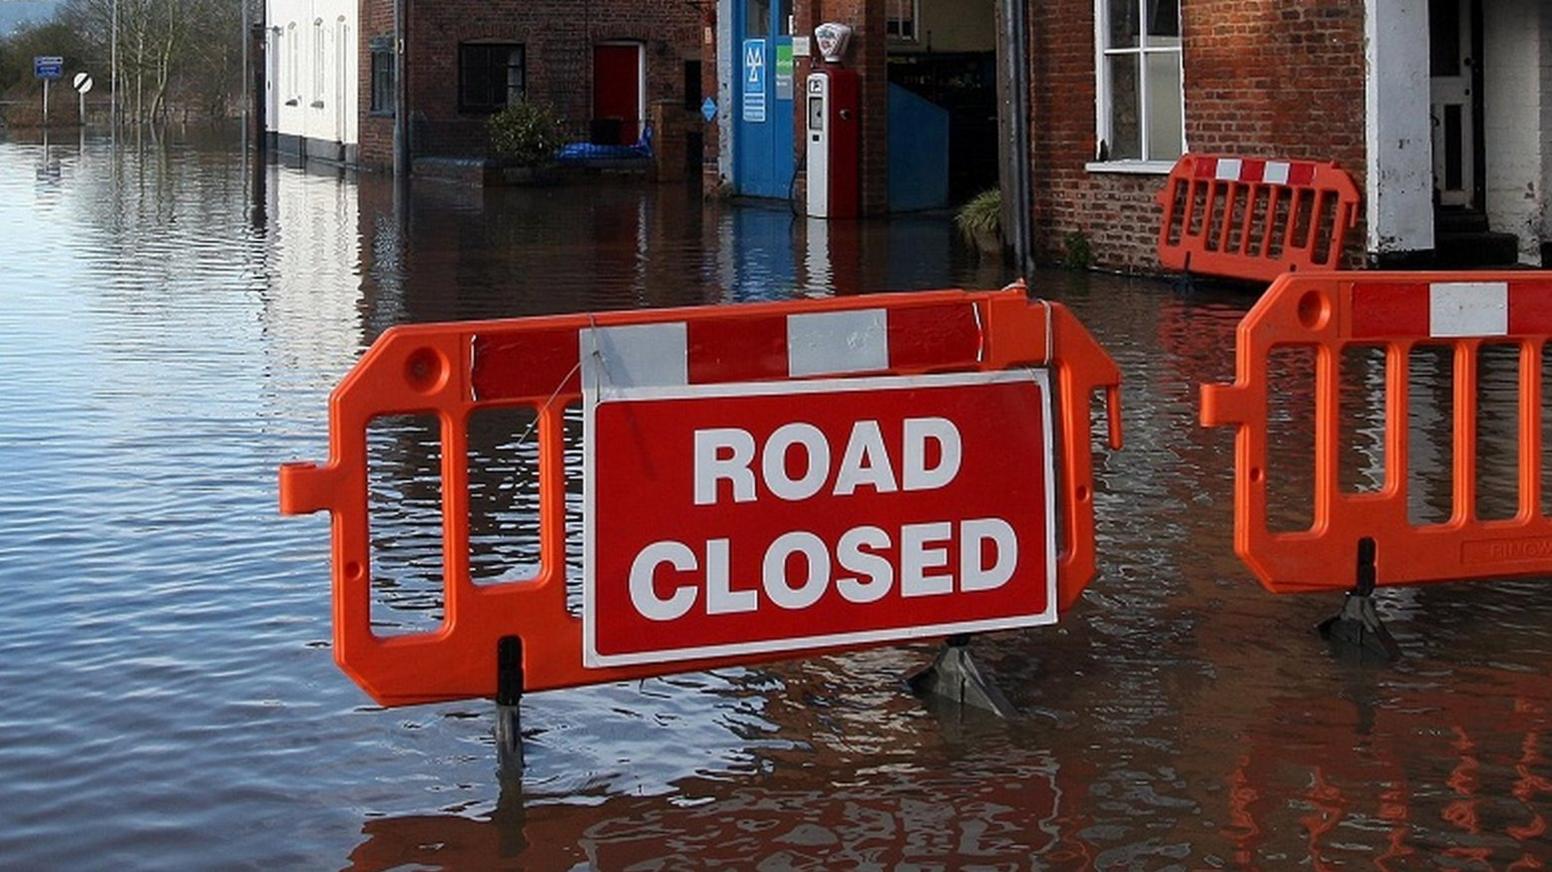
(733, 519)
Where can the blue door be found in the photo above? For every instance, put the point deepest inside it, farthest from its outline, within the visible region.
(762, 121)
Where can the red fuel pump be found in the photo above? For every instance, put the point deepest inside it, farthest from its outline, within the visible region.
(834, 131)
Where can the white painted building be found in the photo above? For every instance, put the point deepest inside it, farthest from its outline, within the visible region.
(1460, 122)
(311, 76)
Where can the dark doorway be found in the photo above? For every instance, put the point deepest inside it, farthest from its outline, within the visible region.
(617, 80)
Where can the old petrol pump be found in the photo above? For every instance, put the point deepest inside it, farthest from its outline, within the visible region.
(834, 130)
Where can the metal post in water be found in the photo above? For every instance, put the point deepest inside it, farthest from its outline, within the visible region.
(1358, 626)
(955, 678)
(509, 698)
(45, 103)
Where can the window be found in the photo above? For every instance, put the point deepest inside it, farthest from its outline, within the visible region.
(382, 75)
(318, 62)
(293, 83)
(900, 19)
(490, 76)
(692, 85)
(1140, 106)
(757, 18)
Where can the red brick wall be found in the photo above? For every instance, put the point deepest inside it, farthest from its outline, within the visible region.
(558, 40)
(374, 132)
(1276, 78)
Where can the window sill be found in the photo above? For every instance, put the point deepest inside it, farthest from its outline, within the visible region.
(1132, 167)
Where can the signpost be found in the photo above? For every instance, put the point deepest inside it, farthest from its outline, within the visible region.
(82, 83)
(48, 68)
(785, 516)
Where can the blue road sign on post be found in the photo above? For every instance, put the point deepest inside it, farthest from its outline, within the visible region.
(48, 66)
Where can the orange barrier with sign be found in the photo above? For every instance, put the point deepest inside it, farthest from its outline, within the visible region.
(455, 370)
(1254, 219)
(1330, 312)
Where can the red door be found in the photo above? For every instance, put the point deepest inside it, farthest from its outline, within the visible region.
(617, 87)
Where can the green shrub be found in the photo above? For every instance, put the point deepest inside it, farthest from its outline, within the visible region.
(981, 218)
(525, 133)
(1079, 254)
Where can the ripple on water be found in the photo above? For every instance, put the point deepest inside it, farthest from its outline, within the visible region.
(169, 695)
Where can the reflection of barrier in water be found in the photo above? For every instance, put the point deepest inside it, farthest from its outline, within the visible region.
(960, 351)
(1375, 530)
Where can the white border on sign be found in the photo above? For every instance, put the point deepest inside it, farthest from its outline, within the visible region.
(591, 659)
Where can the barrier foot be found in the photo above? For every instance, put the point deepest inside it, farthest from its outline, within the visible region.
(1358, 624)
(509, 698)
(954, 677)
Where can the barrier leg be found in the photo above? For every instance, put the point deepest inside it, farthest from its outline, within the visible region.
(953, 676)
(509, 698)
(1358, 625)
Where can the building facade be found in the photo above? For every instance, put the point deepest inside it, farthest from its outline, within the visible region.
(310, 78)
(600, 64)
(1441, 110)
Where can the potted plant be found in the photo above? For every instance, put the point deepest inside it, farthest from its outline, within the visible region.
(523, 139)
(980, 221)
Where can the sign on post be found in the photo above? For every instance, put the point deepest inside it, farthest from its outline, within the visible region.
(782, 516)
(48, 67)
(760, 481)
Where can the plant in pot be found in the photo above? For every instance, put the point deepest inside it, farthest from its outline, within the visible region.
(980, 221)
(524, 138)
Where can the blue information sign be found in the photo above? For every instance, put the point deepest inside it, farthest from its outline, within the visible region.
(754, 80)
(48, 67)
(708, 108)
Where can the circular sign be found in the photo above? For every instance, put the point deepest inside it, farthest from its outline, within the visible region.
(82, 82)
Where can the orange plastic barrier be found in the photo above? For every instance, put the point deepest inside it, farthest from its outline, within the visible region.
(1330, 312)
(1253, 219)
(454, 370)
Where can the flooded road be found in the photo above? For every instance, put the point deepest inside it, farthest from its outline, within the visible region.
(169, 697)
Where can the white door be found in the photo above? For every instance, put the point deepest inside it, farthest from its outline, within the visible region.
(1451, 66)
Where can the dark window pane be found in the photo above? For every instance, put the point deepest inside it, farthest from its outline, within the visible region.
(692, 85)
(784, 17)
(490, 76)
(1444, 37)
(757, 18)
(1163, 20)
(1125, 123)
(1124, 27)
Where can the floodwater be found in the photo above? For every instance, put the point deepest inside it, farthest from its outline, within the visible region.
(168, 698)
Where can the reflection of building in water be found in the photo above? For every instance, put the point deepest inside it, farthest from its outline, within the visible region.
(311, 251)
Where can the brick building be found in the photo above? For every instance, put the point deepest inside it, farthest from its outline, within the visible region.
(600, 63)
(1441, 110)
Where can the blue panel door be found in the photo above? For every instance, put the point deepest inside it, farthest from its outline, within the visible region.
(762, 97)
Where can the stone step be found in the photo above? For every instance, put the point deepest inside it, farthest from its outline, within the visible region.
(1474, 250)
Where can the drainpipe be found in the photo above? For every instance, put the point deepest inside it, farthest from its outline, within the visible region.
(1014, 158)
(401, 91)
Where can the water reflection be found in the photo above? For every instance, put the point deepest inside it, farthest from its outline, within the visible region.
(164, 644)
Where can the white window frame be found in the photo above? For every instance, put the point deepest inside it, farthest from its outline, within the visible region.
(320, 66)
(1102, 96)
(293, 85)
(915, 8)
